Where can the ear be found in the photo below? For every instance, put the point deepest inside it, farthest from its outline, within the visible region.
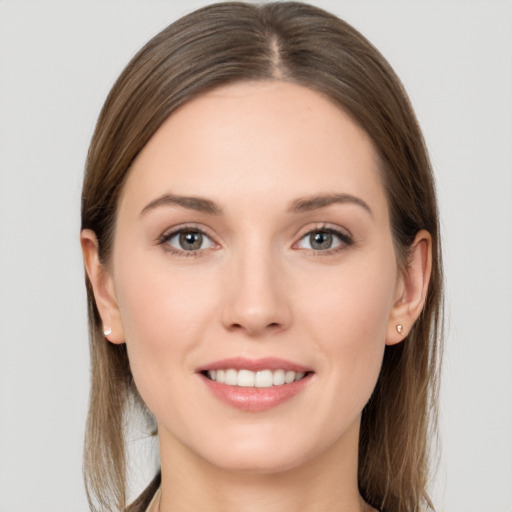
(411, 289)
(103, 288)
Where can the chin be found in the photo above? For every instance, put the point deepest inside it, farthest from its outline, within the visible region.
(261, 454)
(258, 463)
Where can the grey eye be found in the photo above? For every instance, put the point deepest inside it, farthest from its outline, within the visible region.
(189, 240)
(323, 240)
(320, 240)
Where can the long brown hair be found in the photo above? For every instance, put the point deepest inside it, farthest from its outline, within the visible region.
(299, 43)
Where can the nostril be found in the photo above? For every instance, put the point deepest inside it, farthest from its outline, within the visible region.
(273, 326)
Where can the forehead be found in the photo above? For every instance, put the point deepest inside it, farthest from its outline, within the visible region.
(252, 140)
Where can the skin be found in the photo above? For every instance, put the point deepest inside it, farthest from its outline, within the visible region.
(257, 288)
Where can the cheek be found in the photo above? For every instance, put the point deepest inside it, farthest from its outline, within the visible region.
(164, 315)
(347, 317)
(160, 301)
(353, 303)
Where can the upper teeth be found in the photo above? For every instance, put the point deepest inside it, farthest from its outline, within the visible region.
(249, 379)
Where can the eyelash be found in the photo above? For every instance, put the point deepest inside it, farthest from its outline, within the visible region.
(345, 240)
(166, 237)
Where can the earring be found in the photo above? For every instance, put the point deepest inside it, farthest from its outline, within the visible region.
(400, 328)
(107, 331)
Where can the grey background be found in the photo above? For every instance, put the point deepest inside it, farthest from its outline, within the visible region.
(57, 62)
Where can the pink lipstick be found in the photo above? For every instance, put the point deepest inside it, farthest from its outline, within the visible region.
(255, 384)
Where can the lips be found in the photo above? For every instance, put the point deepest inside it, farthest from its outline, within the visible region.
(255, 385)
(260, 379)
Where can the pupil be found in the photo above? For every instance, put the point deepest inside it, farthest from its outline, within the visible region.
(191, 240)
(321, 240)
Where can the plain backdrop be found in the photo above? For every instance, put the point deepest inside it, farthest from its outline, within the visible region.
(57, 63)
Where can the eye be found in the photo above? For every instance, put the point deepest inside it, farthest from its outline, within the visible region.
(187, 240)
(325, 239)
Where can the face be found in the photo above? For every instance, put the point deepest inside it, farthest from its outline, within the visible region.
(255, 278)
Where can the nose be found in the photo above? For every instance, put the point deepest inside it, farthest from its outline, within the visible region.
(256, 298)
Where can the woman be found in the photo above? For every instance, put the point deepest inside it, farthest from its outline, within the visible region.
(260, 235)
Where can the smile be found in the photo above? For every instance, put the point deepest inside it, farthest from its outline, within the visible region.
(255, 385)
(258, 379)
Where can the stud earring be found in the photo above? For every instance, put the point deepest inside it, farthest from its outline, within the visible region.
(107, 331)
(400, 328)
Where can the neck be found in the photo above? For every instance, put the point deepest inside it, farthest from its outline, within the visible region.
(327, 482)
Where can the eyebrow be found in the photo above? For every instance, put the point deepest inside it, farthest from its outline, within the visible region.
(303, 204)
(310, 203)
(199, 204)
